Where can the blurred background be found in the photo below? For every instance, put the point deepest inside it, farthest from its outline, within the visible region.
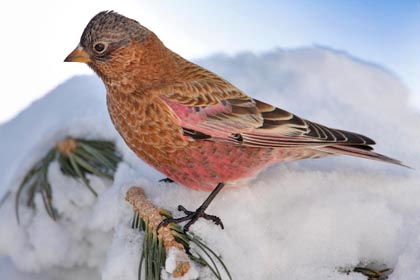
(37, 35)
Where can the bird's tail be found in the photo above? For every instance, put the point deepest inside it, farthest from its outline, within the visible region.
(361, 151)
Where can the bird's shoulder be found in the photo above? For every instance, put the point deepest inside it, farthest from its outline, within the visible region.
(193, 85)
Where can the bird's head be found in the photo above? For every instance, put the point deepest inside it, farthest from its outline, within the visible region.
(113, 46)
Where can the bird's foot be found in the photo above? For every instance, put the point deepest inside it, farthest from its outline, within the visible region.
(167, 180)
(191, 217)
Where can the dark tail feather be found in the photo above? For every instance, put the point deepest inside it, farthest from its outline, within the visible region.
(362, 152)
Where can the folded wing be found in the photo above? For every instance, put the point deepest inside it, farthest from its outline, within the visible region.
(211, 113)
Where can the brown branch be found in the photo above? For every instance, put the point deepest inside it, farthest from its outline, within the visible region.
(151, 215)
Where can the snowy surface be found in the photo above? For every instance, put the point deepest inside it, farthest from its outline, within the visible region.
(302, 220)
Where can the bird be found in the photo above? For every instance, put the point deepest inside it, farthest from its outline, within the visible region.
(192, 125)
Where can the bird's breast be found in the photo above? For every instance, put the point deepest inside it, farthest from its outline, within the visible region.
(146, 126)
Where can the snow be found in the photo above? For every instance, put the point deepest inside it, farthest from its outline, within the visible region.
(176, 255)
(301, 220)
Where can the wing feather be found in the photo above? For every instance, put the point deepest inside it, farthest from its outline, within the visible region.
(224, 113)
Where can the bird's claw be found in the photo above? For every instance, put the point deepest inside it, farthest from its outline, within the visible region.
(191, 217)
(166, 180)
(183, 209)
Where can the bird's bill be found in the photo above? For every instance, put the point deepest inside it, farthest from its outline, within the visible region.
(78, 55)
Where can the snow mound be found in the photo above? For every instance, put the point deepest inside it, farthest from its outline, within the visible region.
(301, 220)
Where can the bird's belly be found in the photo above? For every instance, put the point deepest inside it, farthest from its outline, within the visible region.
(204, 164)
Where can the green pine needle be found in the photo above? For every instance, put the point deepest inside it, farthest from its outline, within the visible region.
(153, 254)
(373, 274)
(77, 158)
(372, 270)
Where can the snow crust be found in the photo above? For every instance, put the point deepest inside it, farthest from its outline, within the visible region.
(301, 220)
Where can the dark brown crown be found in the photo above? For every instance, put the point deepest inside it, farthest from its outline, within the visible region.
(111, 26)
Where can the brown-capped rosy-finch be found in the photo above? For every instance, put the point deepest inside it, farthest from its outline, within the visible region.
(192, 125)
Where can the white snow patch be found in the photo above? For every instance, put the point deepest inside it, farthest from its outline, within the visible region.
(175, 255)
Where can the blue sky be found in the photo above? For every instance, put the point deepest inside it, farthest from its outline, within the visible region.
(381, 32)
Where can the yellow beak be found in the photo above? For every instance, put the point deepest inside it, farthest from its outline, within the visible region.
(78, 55)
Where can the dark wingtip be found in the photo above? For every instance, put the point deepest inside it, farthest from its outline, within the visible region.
(391, 160)
(362, 153)
(406, 166)
(397, 162)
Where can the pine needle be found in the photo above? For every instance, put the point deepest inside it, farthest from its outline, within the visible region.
(156, 244)
(372, 270)
(77, 158)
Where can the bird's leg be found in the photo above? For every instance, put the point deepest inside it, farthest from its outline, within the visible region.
(193, 216)
(167, 180)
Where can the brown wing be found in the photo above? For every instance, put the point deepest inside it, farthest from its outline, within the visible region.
(220, 112)
(283, 129)
(229, 115)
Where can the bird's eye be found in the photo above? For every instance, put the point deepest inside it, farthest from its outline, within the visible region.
(99, 47)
